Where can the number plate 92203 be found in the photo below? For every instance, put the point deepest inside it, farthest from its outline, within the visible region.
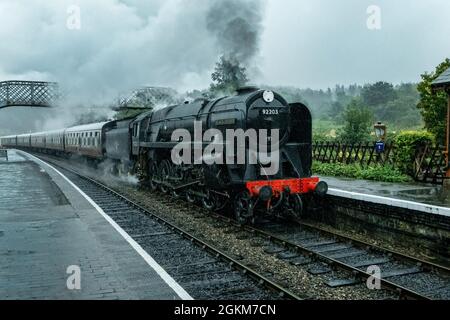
(270, 112)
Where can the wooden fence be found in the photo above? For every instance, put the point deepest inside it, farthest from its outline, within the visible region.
(429, 162)
(430, 165)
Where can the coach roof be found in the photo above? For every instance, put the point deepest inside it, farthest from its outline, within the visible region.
(89, 127)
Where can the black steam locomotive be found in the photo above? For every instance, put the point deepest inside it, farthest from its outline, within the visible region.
(144, 145)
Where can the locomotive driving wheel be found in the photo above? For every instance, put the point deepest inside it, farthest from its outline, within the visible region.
(164, 174)
(210, 201)
(153, 174)
(294, 206)
(190, 196)
(243, 208)
(177, 174)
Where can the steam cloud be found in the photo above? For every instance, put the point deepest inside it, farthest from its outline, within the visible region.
(121, 45)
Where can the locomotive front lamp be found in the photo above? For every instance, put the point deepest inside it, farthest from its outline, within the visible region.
(380, 131)
(268, 96)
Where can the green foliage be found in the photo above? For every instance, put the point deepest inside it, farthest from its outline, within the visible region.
(91, 116)
(128, 113)
(407, 143)
(401, 112)
(433, 105)
(378, 93)
(322, 136)
(398, 111)
(324, 130)
(146, 99)
(355, 171)
(395, 106)
(336, 110)
(228, 76)
(358, 122)
(321, 102)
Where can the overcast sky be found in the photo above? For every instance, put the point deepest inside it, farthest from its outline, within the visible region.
(323, 42)
(304, 43)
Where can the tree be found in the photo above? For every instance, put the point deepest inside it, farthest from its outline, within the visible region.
(433, 105)
(336, 109)
(402, 112)
(358, 121)
(91, 116)
(228, 76)
(378, 93)
(145, 99)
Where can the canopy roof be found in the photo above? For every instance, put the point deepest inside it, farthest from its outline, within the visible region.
(443, 80)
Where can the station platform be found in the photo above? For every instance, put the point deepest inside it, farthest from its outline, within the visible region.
(49, 231)
(415, 196)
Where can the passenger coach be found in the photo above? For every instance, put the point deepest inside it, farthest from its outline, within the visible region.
(87, 140)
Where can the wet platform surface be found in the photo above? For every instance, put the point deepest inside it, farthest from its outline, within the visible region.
(422, 193)
(47, 227)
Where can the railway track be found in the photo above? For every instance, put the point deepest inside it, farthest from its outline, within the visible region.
(344, 260)
(322, 252)
(202, 270)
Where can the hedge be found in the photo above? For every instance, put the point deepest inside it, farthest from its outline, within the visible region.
(355, 171)
(407, 143)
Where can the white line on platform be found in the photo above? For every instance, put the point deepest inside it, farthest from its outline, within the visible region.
(411, 205)
(151, 262)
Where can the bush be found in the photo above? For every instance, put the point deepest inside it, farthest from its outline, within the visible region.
(355, 171)
(407, 143)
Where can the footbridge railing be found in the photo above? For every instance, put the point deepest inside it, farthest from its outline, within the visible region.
(28, 94)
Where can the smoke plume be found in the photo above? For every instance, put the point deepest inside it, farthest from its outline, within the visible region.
(237, 27)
